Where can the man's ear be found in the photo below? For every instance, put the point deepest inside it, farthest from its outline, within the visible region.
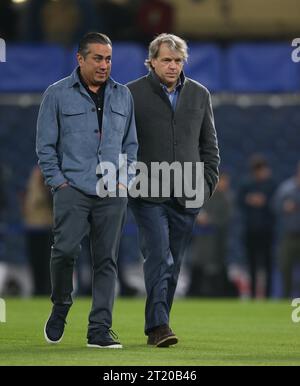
(80, 59)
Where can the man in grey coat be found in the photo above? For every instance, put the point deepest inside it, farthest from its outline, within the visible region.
(175, 124)
(85, 121)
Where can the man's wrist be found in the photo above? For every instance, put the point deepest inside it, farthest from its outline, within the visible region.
(121, 186)
(61, 186)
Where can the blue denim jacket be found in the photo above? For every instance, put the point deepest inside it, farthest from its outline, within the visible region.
(68, 144)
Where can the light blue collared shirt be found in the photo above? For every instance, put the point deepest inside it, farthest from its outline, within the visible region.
(173, 95)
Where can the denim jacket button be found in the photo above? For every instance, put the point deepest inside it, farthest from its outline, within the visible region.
(93, 109)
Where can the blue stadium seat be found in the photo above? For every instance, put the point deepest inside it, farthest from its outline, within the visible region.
(205, 65)
(31, 68)
(262, 67)
(128, 62)
(255, 67)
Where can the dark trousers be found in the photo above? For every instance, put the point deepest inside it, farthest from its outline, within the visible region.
(38, 249)
(165, 230)
(75, 215)
(259, 254)
(289, 256)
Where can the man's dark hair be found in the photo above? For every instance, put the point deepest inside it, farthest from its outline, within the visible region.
(89, 38)
(257, 162)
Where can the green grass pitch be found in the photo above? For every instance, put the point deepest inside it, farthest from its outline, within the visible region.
(210, 332)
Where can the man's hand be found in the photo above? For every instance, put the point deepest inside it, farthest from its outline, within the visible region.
(256, 200)
(62, 186)
(203, 218)
(121, 186)
(289, 206)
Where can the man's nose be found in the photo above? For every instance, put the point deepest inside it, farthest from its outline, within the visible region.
(103, 64)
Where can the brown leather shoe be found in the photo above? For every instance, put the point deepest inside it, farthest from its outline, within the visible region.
(162, 336)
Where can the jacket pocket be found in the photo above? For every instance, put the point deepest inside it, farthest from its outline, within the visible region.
(116, 109)
(74, 119)
(119, 118)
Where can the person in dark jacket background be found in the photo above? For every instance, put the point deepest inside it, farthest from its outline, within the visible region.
(286, 203)
(175, 123)
(254, 200)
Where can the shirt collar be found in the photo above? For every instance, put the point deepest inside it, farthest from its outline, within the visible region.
(86, 86)
(154, 79)
(74, 79)
(177, 87)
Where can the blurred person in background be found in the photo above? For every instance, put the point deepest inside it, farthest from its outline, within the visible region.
(287, 207)
(2, 205)
(37, 208)
(209, 249)
(117, 18)
(59, 22)
(15, 275)
(154, 17)
(129, 256)
(254, 199)
(2, 193)
(177, 125)
(8, 20)
(84, 121)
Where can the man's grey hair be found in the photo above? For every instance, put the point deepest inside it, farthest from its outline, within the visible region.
(174, 43)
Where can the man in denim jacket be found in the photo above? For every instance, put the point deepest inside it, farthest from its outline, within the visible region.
(85, 121)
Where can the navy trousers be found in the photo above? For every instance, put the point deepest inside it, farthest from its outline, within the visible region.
(165, 230)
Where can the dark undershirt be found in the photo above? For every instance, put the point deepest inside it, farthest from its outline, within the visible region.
(98, 99)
